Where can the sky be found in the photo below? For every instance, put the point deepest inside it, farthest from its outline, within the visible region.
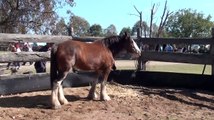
(117, 12)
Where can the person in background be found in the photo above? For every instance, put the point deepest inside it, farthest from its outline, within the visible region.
(27, 48)
(14, 48)
(40, 66)
(17, 64)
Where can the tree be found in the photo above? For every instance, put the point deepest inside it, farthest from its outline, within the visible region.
(110, 30)
(154, 30)
(140, 26)
(79, 25)
(95, 30)
(145, 28)
(24, 16)
(127, 30)
(60, 28)
(189, 23)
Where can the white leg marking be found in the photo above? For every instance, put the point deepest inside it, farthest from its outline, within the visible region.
(103, 94)
(54, 96)
(61, 95)
(92, 93)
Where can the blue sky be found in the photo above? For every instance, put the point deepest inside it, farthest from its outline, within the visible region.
(117, 12)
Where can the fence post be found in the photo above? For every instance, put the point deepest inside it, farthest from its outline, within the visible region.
(140, 65)
(212, 52)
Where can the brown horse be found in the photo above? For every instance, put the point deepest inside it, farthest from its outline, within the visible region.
(97, 56)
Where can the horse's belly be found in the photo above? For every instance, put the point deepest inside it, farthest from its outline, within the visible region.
(84, 67)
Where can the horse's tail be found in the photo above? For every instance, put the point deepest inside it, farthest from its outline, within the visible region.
(53, 69)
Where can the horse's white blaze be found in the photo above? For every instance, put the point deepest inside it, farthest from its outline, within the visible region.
(136, 47)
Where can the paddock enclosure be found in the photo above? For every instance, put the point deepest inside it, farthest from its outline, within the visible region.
(140, 94)
(137, 77)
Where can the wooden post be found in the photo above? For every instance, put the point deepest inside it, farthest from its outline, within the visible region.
(212, 52)
(139, 32)
(139, 62)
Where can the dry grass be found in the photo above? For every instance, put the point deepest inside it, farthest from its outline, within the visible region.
(131, 64)
(178, 67)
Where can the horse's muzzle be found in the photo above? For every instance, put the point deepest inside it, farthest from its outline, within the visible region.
(136, 55)
(139, 53)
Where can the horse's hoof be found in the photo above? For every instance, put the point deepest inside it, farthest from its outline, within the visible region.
(64, 102)
(105, 98)
(56, 107)
(92, 97)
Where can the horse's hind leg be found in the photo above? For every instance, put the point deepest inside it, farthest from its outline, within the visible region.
(57, 94)
(54, 95)
(61, 95)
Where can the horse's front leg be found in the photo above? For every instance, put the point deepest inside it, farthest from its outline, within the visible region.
(103, 94)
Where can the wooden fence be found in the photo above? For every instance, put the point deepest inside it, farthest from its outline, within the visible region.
(22, 83)
(33, 82)
(34, 56)
(207, 58)
(198, 58)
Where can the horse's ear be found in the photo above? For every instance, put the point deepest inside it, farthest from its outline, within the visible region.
(125, 34)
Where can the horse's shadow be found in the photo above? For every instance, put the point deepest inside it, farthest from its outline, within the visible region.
(200, 101)
(38, 101)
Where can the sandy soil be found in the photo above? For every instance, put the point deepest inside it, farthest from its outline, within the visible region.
(128, 103)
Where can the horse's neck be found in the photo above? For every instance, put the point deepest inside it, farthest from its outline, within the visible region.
(115, 49)
(113, 44)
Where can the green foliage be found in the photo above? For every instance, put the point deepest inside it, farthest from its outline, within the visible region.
(127, 30)
(189, 23)
(95, 30)
(61, 28)
(30, 16)
(80, 26)
(145, 28)
(110, 30)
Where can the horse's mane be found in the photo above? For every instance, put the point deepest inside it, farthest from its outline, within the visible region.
(113, 43)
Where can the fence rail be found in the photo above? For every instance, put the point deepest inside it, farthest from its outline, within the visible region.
(15, 84)
(206, 58)
(4, 37)
(178, 57)
(177, 40)
(24, 57)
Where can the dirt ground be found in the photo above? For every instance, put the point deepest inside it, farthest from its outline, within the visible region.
(128, 103)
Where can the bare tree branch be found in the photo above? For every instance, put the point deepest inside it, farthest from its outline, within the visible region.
(140, 15)
(134, 14)
(151, 20)
(164, 18)
(137, 9)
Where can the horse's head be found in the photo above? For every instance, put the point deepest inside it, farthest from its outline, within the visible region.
(130, 45)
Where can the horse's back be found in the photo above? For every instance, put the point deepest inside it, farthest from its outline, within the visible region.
(84, 56)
